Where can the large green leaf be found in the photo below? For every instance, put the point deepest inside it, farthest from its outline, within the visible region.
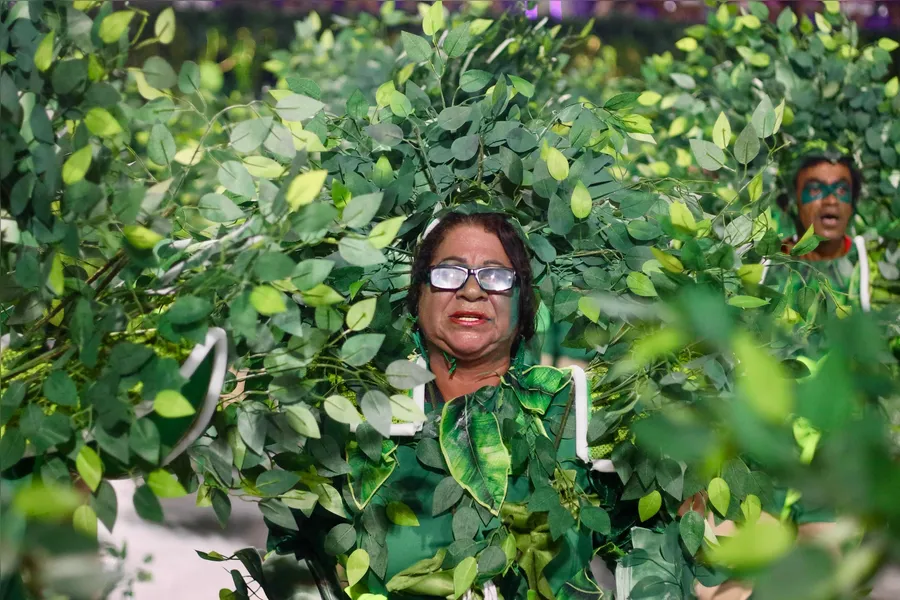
(367, 476)
(473, 448)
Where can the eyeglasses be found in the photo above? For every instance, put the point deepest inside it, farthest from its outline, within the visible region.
(491, 279)
(815, 190)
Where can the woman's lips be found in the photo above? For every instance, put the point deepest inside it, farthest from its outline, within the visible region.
(468, 319)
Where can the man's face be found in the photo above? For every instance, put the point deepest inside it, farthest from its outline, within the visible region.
(825, 199)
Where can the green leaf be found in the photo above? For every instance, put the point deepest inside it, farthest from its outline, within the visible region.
(321, 295)
(101, 123)
(557, 164)
(114, 26)
(47, 502)
(596, 519)
(474, 80)
(649, 505)
(405, 375)
(300, 500)
(721, 133)
(219, 209)
(622, 101)
(683, 81)
(164, 27)
(236, 179)
(764, 118)
(359, 252)
(806, 244)
(401, 514)
(464, 576)
(526, 88)
(273, 266)
(89, 467)
(43, 56)
(330, 499)
(159, 73)
(341, 410)
(165, 484)
(360, 349)
(417, 48)
(691, 528)
(143, 439)
(12, 448)
(60, 389)
(77, 165)
(297, 107)
(188, 309)
(248, 135)
(361, 314)
(447, 493)
(376, 407)
(787, 20)
(385, 133)
(668, 262)
(473, 448)
(383, 234)
(85, 520)
(464, 148)
(357, 107)
(301, 420)
(753, 546)
(747, 301)
(457, 41)
(719, 495)
(267, 300)
(762, 381)
(453, 117)
(276, 482)
(400, 105)
(357, 565)
(640, 284)
(581, 201)
(404, 408)
(341, 538)
(189, 78)
(305, 188)
(747, 145)
(311, 272)
(360, 211)
(708, 155)
(367, 475)
(172, 405)
(161, 146)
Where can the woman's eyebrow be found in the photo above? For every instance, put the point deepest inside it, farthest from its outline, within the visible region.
(462, 261)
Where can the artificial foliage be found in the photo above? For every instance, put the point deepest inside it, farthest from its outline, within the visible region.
(139, 209)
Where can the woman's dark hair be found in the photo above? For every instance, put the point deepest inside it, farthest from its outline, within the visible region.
(513, 244)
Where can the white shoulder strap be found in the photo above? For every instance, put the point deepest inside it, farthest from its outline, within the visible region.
(582, 414)
(865, 296)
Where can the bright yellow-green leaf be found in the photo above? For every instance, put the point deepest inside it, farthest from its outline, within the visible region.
(892, 87)
(267, 300)
(172, 405)
(762, 380)
(753, 546)
(637, 124)
(722, 15)
(165, 484)
(147, 91)
(589, 308)
(321, 295)
(56, 280)
(43, 56)
(77, 165)
(751, 21)
(464, 575)
(302, 421)
(649, 98)
(832, 6)
(649, 505)
(164, 28)
(305, 187)
(640, 284)
(581, 201)
(101, 123)
(721, 133)
(822, 23)
(656, 345)
(752, 508)
(888, 45)
(557, 164)
(141, 237)
(433, 20)
(115, 25)
(754, 188)
(304, 140)
(682, 218)
(404, 408)
(361, 314)
(43, 501)
(357, 565)
(669, 262)
(401, 514)
(262, 166)
(89, 467)
(190, 155)
(84, 519)
(384, 93)
(687, 44)
(751, 274)
(719, 495)
(384, 233)
(760, 59)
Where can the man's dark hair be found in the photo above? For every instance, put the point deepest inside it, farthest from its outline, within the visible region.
(513, 244)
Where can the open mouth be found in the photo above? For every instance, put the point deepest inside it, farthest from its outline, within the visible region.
(469, 319)
(830, 219)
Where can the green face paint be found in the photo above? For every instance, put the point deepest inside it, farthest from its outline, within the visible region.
(815, 190)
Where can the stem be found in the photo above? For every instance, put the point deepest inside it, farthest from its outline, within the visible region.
(421, 150)
(37, 360)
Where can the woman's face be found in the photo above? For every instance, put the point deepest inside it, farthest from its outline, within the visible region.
(825, 199)
(470, 323)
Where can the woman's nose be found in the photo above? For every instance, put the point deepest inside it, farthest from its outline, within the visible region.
(471, 290)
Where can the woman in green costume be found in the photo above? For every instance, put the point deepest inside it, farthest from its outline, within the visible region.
(488, 497)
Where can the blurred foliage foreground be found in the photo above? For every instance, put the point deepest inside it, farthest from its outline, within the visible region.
(140, 210)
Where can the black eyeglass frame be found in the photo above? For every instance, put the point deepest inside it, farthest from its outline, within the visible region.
(476, 272)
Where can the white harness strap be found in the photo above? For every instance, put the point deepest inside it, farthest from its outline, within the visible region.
(582, 417)
(865, 296)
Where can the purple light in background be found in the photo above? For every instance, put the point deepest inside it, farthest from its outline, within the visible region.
(532, 13)
(556, 9)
